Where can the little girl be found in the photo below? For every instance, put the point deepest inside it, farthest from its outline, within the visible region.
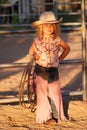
(45, 51)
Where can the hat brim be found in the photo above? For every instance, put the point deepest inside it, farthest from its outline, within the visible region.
(37, 23)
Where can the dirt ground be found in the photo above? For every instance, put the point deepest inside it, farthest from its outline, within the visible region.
(13, 49)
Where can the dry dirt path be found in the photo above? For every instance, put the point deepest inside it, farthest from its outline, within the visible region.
(13, 49)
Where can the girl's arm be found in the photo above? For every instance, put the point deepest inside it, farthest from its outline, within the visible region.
(31, 49)
(66, 50)
(31, 53)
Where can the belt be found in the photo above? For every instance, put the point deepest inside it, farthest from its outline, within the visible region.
(46, 69)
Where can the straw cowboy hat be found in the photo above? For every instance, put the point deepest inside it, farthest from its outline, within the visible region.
(46, 17)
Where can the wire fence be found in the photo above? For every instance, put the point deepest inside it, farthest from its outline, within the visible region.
(17, 18)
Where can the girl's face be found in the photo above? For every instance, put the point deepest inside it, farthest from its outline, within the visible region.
(48, 29)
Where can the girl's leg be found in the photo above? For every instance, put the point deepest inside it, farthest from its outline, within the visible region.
(43, 112)
(55, 95)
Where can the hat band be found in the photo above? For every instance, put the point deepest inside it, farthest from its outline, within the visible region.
(51, 21)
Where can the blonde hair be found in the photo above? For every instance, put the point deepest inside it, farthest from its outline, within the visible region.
(39, 30)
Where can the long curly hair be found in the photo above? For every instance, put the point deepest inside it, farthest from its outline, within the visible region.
(39, 30)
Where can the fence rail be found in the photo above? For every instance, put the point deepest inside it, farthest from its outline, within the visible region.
(29, 25)
(66, 26)
(73, 61)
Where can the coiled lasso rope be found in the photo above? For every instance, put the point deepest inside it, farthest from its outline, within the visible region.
(27, 85)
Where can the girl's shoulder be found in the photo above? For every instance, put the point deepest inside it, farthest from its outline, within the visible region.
(37, 40)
